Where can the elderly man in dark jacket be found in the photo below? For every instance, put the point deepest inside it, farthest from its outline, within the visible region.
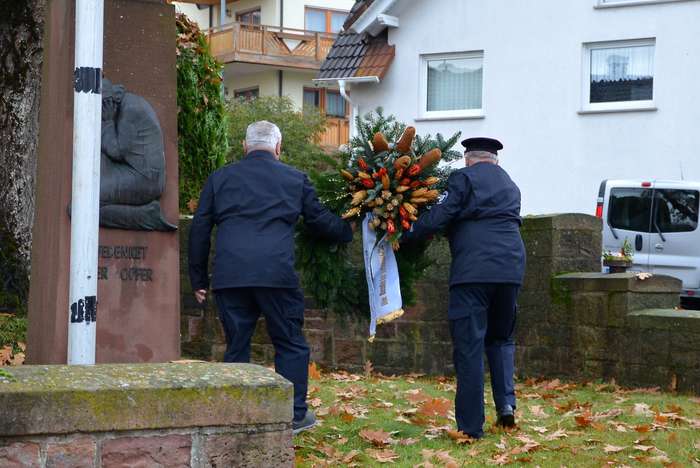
(480, 212)
(255, 205)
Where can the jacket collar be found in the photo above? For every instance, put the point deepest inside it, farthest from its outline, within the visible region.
(260, 154)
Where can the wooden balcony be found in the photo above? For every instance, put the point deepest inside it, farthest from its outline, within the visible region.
(270, 45)
(337, 133)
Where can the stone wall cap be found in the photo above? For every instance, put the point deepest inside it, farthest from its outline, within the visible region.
(52, 399)
(628, 282)
(573, 221)
(667, 313)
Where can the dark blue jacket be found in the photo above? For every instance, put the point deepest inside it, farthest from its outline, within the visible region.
(481, 213)
(255, 205)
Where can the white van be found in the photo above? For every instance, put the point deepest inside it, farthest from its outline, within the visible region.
(660, 219)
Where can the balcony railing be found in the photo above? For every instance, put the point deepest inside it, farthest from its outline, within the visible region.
(270, 45)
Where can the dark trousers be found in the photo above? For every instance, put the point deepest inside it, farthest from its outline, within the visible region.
(482, 317)
(239, 310)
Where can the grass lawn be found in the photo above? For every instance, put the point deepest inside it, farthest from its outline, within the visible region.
(372, 420)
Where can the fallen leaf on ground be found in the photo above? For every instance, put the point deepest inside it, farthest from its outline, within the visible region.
(529, 445)
(612, 449)
(5, 355)
(409, 441)
(416, 396)
(378, 438)
(673, 386)
(383, 456)
(459, 437)
(609, 414)
(558, 434)
(315, 402)
(643, 448)
(643, 428)
(539, 430)
(444, 457)
(435, 407)
(500, 459)
(583, 420)
(192, 205)
(620, 428)
(538, 412)
(314, 373)
(642, 409)
(663, 459)
(17, 359)
(368, 369)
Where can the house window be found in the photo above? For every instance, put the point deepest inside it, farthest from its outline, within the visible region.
(323, 20)
(312, 97)
(452, 85)
(618, 75)
(329, 100)
(247, 94)
(335, 104)
(249, 17)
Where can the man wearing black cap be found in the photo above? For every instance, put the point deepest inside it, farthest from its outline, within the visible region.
(480, 211)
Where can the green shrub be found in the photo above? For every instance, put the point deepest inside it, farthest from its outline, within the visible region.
(300, 131)
(13, 330)
(201, 119)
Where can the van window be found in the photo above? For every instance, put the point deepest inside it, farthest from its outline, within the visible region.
(630, 209)
(676, 210)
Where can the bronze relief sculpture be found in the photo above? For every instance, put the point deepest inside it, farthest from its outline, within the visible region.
(132, 166)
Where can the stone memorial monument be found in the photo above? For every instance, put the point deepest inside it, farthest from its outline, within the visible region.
(138, 274)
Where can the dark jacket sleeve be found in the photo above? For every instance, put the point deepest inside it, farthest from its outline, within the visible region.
(200, 238)
(320, 220)
(440, 215)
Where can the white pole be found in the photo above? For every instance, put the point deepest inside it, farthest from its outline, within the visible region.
(85, 208)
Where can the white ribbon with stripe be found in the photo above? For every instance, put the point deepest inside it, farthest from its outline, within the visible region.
(382, 274)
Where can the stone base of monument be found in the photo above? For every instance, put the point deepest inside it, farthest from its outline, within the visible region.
(188, 414)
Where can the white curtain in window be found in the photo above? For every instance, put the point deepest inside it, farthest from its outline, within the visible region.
(622, 63)
(335, 105)
(455, 84)
(337, 20)
(316, 20)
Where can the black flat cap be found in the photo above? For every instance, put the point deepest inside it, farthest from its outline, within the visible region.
(482, 144)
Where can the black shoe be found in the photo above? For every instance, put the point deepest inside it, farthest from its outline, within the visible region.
(506, 417)
(306, 423)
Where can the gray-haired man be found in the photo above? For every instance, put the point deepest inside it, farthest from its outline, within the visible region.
(255, 205)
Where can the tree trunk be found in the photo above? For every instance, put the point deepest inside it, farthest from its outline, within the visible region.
(21, 34)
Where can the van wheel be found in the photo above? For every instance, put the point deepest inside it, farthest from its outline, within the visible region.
(690, 303)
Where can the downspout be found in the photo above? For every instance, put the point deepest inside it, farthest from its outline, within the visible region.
(281, 15)
(280, 72)
(355, 109)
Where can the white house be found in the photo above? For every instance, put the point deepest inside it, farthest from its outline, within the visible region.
(577, 90)
(276, 47)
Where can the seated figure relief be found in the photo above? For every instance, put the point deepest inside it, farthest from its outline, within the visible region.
(132, 170)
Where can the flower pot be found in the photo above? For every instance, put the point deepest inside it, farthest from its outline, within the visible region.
(617, 266)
